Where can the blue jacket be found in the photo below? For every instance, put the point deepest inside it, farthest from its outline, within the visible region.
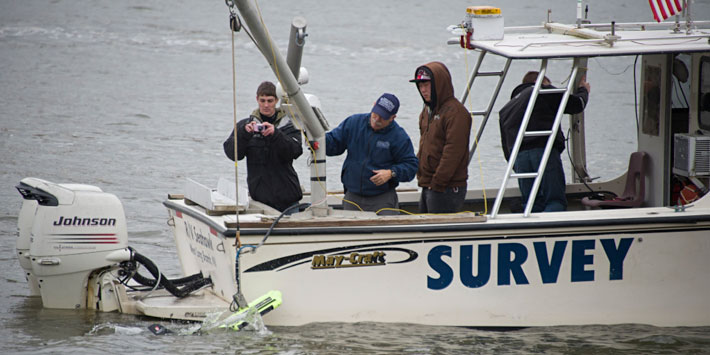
(388, 148)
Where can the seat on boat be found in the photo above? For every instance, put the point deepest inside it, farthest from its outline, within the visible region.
(632, 197)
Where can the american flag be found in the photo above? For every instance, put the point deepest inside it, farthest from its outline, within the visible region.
(663, 9)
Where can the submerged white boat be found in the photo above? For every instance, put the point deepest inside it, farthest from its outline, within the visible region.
(643, 258)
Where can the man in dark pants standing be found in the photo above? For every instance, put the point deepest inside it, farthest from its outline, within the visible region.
(270, 143)
(445, 125)
(380, 156)
(551, 195)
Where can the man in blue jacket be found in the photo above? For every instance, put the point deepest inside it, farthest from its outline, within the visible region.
(380, 156)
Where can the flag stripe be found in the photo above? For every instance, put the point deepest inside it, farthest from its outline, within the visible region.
(678, 6)
(663, 6)
(654, 9)
(662, 9)
(670, 7)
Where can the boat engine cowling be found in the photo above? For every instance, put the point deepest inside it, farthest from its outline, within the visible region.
(24, 231)
(74, 229)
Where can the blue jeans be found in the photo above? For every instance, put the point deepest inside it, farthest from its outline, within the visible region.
(551, 194)
(449, 201)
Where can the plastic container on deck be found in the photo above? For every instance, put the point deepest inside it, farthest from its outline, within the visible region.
(486, 22)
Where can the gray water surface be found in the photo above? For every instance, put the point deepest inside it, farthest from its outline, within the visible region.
(136, 96)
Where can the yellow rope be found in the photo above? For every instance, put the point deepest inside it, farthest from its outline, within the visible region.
(475, 139)
(234, 121)
(424, 214)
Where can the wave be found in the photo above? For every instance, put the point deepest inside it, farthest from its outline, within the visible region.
(156, 38)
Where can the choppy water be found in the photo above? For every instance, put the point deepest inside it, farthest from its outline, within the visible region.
(135, 96)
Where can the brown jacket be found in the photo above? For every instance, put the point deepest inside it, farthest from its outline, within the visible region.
(445, 125)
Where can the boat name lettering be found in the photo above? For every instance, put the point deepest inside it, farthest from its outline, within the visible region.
(60, 247)
(203, 257)
(197, 236)
(86, 221)
(195, 314)
(512, 256)
(354, 259)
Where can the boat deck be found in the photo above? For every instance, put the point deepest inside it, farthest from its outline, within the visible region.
(351, 222)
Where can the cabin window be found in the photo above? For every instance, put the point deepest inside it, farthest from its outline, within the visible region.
(704, 99)
(680, 89)
(681, 82)
(651, 99)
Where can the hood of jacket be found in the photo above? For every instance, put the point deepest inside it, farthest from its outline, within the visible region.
(441, 87)
(518, 89)
(277, 119)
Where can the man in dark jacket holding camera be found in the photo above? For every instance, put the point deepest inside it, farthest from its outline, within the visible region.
(270, 143)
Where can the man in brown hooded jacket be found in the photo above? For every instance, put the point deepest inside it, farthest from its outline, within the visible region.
(444, 125)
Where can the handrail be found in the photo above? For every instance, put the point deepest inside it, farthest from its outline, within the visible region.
(491, 102)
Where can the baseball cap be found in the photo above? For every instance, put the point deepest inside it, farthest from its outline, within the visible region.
(421, 75)
(386, 106)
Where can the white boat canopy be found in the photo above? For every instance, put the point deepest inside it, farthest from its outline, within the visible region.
(553, 40)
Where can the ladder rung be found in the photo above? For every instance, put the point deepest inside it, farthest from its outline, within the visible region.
(537, 133)
(489, 73)
(523, 175)
(477, 113)
(552, 91)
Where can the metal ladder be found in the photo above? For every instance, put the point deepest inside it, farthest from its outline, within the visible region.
(523, 132)
(487, 112)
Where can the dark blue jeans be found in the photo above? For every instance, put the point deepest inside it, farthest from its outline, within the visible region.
(551, 194)
(449, 201)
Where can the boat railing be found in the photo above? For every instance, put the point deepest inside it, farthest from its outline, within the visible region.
(523, 132)
(603, 27)
(486, 113)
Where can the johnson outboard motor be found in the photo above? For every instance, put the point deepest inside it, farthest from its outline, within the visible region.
(24, 231)
(66, 232)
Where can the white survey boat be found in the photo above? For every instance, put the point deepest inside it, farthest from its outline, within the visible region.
(641, 259)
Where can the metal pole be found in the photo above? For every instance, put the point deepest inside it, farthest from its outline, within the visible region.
(296, 40)
(471, 78)
(548, 147)
(519, 139)
(577, 131)
(315, 131)
(487, 113)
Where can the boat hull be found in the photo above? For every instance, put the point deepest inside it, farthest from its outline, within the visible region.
(551, 269)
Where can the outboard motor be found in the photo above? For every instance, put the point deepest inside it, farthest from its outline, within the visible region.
(73, 230)
(24, 230)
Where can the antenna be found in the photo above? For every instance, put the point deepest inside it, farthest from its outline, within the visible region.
(688, 20)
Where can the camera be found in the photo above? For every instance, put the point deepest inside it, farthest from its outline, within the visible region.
(259, 127)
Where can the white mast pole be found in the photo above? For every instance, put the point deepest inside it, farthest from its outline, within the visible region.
(316, 133)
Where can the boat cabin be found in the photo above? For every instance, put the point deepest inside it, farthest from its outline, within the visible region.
(672, 81)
